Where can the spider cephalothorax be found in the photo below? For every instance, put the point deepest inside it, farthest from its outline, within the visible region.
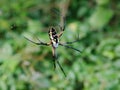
(54, 41)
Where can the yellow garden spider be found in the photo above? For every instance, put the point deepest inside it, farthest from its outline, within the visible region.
(54, 42)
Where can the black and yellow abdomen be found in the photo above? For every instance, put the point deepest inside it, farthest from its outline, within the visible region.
(53, 37)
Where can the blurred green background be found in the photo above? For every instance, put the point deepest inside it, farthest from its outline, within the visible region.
(25, 66)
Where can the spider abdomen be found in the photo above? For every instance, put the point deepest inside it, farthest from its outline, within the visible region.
(53, 37)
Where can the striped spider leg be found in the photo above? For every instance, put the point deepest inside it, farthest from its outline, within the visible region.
(66, 44)
(38, 43)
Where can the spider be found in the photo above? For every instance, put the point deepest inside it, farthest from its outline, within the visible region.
(54, 42)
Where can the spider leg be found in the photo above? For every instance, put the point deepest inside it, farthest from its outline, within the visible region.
(61, 68)
(77, 39)
(69, 47)
(38, 43)
(62, 22)
(54, 57)
(55, 60)
(62, 28)
(71, 42)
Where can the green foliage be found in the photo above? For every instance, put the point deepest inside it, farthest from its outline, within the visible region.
(99, 21)
(103, 2)
(25, 66)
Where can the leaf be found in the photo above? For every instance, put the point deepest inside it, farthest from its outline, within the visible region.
(34, 26)
(102, 2)
(100, 18)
